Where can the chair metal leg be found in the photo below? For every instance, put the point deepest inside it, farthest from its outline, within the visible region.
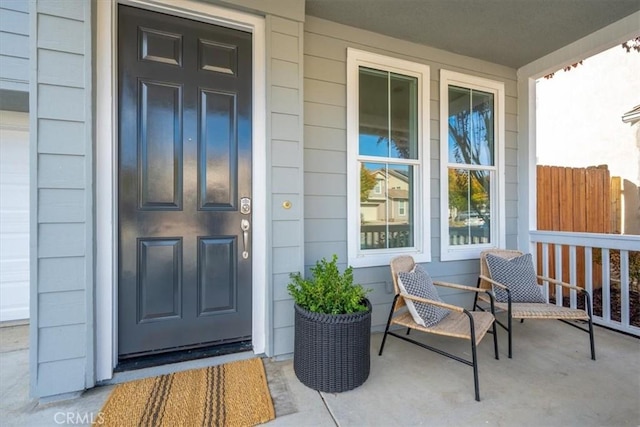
(386, 330)
(588, 305)
(593, 345)
(510, 327)
(495, 329)
(495, 340)
(475, 298)
(474, 357)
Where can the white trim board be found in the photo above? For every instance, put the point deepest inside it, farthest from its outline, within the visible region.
(106, 166)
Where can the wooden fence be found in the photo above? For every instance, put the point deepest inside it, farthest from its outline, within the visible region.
(574, 199)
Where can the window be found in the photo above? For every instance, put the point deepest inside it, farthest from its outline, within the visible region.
(472, 165)
(387, 155)
(378, 187)
(402, 208)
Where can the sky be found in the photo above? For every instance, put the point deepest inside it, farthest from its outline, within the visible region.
(579, 115)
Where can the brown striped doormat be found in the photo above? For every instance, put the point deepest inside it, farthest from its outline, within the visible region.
(233, 394)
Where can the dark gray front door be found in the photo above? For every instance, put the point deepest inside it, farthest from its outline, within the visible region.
(184, 270)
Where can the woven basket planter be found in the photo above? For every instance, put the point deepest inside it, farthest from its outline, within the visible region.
(332, 351)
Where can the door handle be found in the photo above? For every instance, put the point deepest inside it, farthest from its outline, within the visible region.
(244, 226)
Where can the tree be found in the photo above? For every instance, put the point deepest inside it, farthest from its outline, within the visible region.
(367, 182)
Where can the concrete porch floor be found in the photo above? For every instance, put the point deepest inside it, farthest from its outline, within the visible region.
(551, 381)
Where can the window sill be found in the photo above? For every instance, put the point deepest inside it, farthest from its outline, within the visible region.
(383, 259)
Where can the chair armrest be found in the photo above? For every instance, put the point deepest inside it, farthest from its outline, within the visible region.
(493, 282)
(561, 283)
(461, 287)
(432, 302)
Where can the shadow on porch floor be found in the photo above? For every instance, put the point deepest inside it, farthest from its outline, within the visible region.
(551, 381)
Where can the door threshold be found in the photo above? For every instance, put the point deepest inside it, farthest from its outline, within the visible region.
(121, 376)
(178, 356)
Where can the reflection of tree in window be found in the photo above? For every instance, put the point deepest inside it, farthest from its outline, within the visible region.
(471, 142)
(367, 182)
(468, 190)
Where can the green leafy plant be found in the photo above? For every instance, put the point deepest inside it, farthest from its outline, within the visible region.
(328, 291)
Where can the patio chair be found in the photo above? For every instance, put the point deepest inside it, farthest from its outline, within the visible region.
(410, 305)
(512, 302)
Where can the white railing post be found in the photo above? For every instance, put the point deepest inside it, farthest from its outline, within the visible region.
(545, 268)
(605, 243)
(558, 254)
(606, 285)
(625, 281)
(573, 279)
(588, 273)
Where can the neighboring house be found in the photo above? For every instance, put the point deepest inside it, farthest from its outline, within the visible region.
(388, 200)
(183, 165)
(385, 216)
(632, 116)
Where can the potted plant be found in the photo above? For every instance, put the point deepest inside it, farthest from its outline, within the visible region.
(332, 328)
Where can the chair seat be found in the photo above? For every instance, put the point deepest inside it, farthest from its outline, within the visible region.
(524, 310)
(454, 325)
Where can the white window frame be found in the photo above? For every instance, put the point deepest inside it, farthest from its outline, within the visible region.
(497, 203)
(421, 206)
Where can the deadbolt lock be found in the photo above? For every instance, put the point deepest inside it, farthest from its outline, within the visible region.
(245, 205)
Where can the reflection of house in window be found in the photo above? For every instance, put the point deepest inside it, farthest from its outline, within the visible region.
(387, 206)
(378, 188)
(402, 208)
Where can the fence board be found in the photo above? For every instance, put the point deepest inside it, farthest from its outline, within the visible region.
(573, 199)
(616, 204)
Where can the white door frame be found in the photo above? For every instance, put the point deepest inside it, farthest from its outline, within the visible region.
(106, 167)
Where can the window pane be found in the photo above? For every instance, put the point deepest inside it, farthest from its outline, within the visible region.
(483, 128)
(386, 218)
(374, 113)
(471, 126)
(404, 113)
(469, 203)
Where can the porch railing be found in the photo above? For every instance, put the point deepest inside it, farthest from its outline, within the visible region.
(600, 263)
(382, 236)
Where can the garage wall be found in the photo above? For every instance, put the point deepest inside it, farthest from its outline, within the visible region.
(14, 216)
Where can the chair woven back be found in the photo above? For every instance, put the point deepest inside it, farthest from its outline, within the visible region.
(398, 264)
(484, 268)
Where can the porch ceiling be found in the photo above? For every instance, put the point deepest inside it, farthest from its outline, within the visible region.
(507, 32)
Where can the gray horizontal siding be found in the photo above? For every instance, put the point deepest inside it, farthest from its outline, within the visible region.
(284, 38)
(14, 45)
(61, 198)
(61, 137)
(66, 342)
(325, 150)
(61, 274)
(61, 205)
(60, 376)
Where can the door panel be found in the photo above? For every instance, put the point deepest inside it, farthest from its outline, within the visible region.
(184, 162)
(217, 275)
(160, 145)
(159, 279)
(218, 151)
